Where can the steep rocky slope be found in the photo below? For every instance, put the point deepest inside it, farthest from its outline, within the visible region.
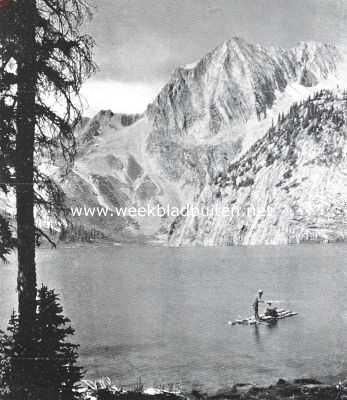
(235, 82)
(290, 187)
(207, 116)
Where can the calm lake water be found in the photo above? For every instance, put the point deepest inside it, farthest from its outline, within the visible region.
(161, 314)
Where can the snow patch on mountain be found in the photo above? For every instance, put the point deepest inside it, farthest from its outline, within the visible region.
(290, 187)
(208, 115)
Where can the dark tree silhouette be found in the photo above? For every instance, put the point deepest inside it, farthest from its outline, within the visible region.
(43, 61)
(55, 373)
(7, 242)
(6, 132)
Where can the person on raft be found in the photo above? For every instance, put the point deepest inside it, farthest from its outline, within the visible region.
(270, 311)
(256, 304)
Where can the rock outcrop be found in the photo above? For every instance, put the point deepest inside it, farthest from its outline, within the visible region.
(205, 118)
(290, 187)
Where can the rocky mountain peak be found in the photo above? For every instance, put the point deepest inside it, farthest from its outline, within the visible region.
(91, 129)
(197, 143)
(234, 83)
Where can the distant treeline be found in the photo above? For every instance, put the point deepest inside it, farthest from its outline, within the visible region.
(80, 233)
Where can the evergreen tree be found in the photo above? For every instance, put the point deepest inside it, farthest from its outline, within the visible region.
(16, 380)
(8, 350)
(7, 149)
(57, 358)
(55, 372)
(43, 57)
(7, 241)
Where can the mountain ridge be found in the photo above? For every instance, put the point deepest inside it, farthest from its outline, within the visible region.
(305, 153)
(207, 116)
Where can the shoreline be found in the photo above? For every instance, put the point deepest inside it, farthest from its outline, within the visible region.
(157, 244)
(298, 389)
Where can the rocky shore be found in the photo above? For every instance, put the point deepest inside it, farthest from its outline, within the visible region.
(299, 389)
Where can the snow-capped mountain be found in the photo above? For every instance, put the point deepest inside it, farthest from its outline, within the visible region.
(290, 187)
(207, 116)
(234, 83)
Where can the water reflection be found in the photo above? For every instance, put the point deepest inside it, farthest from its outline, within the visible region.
(257, 334)
(263, 329)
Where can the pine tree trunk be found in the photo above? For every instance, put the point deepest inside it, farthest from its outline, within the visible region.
(27, 81)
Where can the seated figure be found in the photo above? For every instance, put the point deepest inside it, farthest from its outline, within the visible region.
(270, 311)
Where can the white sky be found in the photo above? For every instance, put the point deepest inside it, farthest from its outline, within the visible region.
(121, 97)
